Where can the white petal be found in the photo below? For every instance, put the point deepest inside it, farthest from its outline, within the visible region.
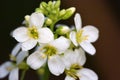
(69, 58)
(61, 44)
(21, 56)
(29, 44)
(55, 64)
(69, 78)
(92, 33)
(36, 60)
(45, 35)
(74, 57)
(16, 49)
(87, 74)
(3, 69)
(88, 47)
(20, 34)
(80, 55)
(14, 74)
(78, 21)
(73, 38)
(37, 19)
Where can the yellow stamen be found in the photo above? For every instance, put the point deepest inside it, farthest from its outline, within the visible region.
(33, 32)
(50, 50)
(73, 71)
(79, 37)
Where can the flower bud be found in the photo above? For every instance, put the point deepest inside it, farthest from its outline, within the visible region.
(69, 13)
(62, 30)
(38, 10)
(62, 12)
(43, 4)
(57, 4)
(27, 17)
(48, 21)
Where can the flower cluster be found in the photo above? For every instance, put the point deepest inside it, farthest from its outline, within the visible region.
(44, 42)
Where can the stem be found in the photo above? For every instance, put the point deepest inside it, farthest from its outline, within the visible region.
(23, 75)
(52, 27)
(45, 75)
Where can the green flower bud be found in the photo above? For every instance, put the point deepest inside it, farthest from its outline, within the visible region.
(38, 10)
(50, 3)
(57, 4)
(62, 30)
(48, 21)
(69, 13)
(62, 13)
(43, 4)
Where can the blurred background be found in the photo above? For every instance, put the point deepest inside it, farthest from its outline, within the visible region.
(104, 14)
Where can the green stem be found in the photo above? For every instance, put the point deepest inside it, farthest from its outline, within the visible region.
(23, 75)
(52, 27)
(45, 75)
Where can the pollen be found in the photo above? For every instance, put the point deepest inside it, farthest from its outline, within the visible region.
(33, 32)
(79, 36)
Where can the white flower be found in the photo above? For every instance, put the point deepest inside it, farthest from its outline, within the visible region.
(11, 68)
(74, 60)
(29, 36)
(50, 52)
(83, 74)
(74, 57)
(84, 36)
(7, 68)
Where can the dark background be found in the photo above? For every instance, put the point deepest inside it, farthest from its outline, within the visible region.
(104, 14)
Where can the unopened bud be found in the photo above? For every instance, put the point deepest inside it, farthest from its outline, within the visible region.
(69, 13)
(62, 12)
(43, 4)
(62, 30)
(57, 4)
(48, 21)
(27, 17)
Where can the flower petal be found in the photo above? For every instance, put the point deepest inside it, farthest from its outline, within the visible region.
(80, 55)
(14, 74)
(55, 64)
(92, 33)
(88, 47)
(45, 35)
(78, 21)
(37, 19)
(16, 49)
(73, 38)
(20, 34)
(69, 78)
(29, 44)
(68, 58)
(3, 69)
(21, 56)
(74, 57)
(87, 74)
(61, 44)
(36, 60)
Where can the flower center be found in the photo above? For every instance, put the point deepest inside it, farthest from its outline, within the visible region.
(50, 50)
(79, 36)
(72, 71)
(33, 32)
(10, 68)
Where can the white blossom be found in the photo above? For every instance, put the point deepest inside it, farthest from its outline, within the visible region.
(29, 36)
(84, 36)
(74, 61)
(50, 52)
(12, 68)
